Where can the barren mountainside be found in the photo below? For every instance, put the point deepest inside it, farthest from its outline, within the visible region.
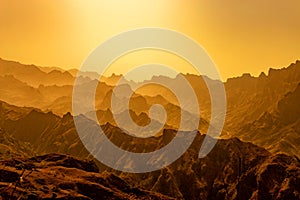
(55, 176)
(232, 170)
(42, 156)
(277, 131)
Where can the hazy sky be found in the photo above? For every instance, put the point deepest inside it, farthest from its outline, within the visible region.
(240, 35)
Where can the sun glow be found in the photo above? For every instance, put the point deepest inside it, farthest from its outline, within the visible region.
(240, 36)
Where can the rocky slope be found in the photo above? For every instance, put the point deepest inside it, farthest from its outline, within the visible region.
(277, 131)
(55, 176)
(263, 110)
(10, 147)
(249, 97)
(232, 170)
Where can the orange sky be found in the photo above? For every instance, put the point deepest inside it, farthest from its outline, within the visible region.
(240, 35)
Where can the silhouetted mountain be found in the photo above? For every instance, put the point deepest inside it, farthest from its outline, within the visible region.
(10, 147)
(141, 120)
(247, 97)
(140, 104)
(18, 93)
(54, 92)
(49, 69)
(44, 131)
(47, 132)
(112, 80)
(33, 76)
(57, 99)
(10, 112)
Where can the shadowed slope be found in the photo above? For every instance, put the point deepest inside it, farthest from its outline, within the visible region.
(232, 170)
(277, 131)
(57, 176)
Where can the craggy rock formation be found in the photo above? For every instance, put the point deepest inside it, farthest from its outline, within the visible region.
(56, 176)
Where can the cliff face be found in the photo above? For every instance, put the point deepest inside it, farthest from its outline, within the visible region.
(250, 97)
(232, 170)
(279, 130)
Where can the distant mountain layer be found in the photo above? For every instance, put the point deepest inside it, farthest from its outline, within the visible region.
(248, 97)
(232, 170)
(50, 89)
(33, 75)
(251, 101)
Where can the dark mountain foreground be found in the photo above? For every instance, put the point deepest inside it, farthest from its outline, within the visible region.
(56, 176)
(232, 170)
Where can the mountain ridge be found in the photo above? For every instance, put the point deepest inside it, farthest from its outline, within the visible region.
(232, 170)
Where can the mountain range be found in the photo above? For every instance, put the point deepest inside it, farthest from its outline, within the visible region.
(233, 170)
(248, 98)
(256, 156)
